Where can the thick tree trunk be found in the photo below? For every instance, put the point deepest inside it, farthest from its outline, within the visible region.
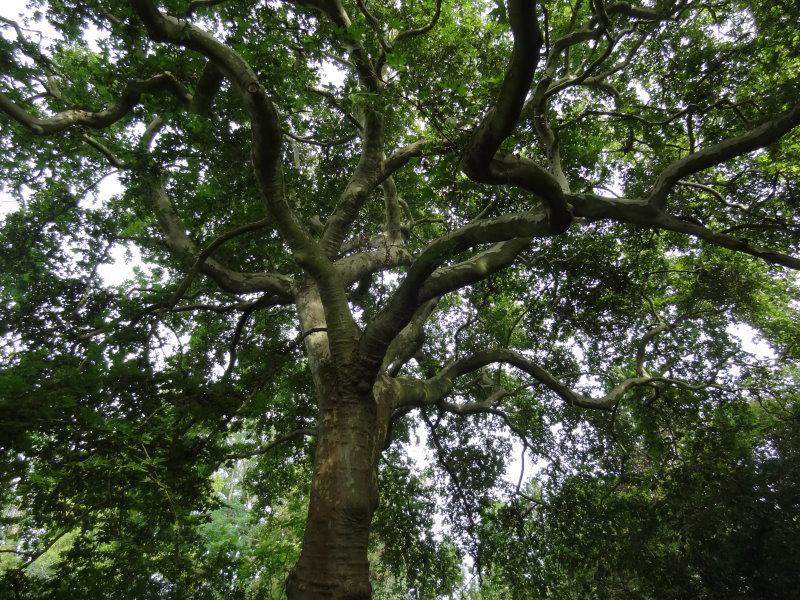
(351, 430)
(344, 495)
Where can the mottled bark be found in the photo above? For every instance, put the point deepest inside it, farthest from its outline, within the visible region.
(351, 431)
(344, 495)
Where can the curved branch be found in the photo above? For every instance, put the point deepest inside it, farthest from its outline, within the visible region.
(474, 269)
(416, 392)
(730, 242)
(481, 162)
(356, 266)
(703, 187)
(264, 302)
(408, 341)
(365, 178)
(500, 121)
(409, 33)
(105, 151)
(265, 124)
(266, 156)
(320, 143)
(756, 138)
(640, 212)
(130, 97)
(207, 88)
(229, 280)
(334, 10)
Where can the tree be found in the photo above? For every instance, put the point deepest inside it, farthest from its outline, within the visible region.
(506, 217)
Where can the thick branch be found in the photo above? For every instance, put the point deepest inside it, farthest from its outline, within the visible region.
(480, 161)
(408, 341)
(266, 154)
(761, 136)
(130, 97)
(364, 179)
(206, 89)
(405, 300)
(474, 269)
(391, 203)
(356, 266)
(640, 212)
(501, 120)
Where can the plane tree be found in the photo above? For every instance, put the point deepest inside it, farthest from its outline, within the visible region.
(357, 221)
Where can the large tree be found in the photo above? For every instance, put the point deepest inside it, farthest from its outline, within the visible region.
(531, 218)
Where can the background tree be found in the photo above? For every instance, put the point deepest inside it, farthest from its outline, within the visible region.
(536, 219)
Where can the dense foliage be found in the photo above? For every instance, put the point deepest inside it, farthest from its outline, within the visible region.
(157, 434)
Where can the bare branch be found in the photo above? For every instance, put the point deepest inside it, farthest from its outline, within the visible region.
(374, 25)
(474, 269)
(207, 87)
(334, 101)
(263, 302)
(481, 162)
(500, 121)
(334, 10)
(705, 188)
(391, 202)
(356, 266)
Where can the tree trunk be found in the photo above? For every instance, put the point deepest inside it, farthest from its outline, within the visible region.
(344, 495)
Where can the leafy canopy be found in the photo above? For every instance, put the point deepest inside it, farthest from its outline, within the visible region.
(147, 445)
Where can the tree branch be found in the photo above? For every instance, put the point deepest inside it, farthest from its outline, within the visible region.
(251, 308)
(756, 138)
(474, 269)
(416, 392)
(232, 281)
(364, 179)
(641, 212)
(481, 162)
(408, 341)
(403, 303)
(130, 97)
(266, 155)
